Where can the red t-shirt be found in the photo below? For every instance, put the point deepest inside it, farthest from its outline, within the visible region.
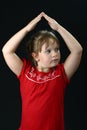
(42, 98)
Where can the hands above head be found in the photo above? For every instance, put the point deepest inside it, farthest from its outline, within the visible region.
(52, 23)
(30, 26)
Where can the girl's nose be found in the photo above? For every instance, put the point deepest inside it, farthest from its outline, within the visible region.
(54, 54)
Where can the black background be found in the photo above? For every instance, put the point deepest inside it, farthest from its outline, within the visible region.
(14, 15)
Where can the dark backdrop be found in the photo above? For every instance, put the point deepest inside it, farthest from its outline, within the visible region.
(16, 14)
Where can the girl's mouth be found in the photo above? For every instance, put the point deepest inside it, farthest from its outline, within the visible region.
(54, 61)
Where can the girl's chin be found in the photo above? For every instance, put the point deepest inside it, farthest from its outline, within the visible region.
(55, 64)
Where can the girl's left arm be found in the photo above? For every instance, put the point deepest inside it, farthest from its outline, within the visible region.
(72, 62)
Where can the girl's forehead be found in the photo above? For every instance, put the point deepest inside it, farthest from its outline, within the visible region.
(51, 44)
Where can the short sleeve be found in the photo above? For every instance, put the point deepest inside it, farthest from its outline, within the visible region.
(26, 64)
(61, 71)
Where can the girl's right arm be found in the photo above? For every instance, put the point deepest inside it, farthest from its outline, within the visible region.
(12, 59)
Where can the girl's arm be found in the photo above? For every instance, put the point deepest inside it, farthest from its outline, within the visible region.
(73, 60)
(8, 50)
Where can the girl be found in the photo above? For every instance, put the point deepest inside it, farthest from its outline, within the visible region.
(43, 79)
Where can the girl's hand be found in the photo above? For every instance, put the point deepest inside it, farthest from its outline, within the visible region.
(30, 26)
(52, 23)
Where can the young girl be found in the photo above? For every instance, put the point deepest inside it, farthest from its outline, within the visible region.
(43, 79)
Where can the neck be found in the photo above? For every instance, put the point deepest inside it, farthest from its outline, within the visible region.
(43, 69)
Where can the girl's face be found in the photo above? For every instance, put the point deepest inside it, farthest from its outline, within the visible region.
(49, 56)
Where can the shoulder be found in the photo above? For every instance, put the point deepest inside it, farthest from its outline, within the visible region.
(60, 67)
(26, 65)
(61, 71)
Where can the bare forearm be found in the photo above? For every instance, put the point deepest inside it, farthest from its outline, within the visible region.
(71, 42)
(13, 43)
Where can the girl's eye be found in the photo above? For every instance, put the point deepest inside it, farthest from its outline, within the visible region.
(48, 51)
(56, 49)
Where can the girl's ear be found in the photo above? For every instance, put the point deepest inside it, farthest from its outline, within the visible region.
(35, 56)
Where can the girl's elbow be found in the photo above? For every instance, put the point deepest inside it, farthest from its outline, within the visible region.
(80, 50)
(2, 50)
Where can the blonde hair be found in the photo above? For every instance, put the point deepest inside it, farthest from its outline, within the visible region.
(36, 42)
